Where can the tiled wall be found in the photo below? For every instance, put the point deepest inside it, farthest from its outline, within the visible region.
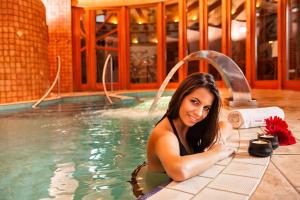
(24, 67)
(59, 21)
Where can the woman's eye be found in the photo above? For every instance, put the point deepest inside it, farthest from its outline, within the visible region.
(194, 101)
(206, 108)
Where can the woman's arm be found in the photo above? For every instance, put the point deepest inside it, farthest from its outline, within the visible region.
(225, 131)
(180, 168)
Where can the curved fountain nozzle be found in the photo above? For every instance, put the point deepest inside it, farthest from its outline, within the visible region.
(109, 57)
(231, 74)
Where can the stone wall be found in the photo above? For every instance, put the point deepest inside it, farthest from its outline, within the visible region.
(24, 67)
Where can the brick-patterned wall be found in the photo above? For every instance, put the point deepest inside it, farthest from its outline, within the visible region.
(59, 21)
(24, 67)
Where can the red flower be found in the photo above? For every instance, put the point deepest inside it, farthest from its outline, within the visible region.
(276, 121)
(277, 126)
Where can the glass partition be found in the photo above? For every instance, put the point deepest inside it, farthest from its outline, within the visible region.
(238, 33)
(266, 36)
(143, 45)
(293, 33)
(106, 30)
(193, 34)
(214, 32)
(172, 19)
(83, 47)
(112, 73)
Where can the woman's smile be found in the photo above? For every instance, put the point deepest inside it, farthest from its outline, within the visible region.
(195, 106)
(194, 119)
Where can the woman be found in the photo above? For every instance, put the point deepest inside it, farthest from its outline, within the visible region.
(185, 142)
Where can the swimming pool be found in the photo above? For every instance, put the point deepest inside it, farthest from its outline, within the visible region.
(72, 151)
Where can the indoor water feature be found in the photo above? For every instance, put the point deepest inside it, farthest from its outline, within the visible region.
(74, 150)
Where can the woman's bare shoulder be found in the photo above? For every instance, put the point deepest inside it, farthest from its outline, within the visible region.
(162, 131)
(162, 141)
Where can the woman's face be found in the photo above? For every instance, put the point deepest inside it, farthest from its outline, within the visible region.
(195, 106)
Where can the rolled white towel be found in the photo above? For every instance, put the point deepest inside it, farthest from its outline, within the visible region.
(254, 117)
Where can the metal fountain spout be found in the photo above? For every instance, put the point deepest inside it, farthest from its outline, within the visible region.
(232, 75)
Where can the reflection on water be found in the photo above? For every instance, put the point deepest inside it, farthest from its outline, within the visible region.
(63, 185)
(72, 151)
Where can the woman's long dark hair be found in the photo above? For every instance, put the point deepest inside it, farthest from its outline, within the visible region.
(204, 133)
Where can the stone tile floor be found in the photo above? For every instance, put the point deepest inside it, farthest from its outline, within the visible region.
(244, 176)
(282, 177)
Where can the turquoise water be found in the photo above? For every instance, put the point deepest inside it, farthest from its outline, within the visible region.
(72, 151)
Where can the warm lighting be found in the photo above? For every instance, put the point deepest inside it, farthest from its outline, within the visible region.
(243, 29)
(140, 22)
(113, 19)
(238, 30)
(232, 12)
(259, 142)
(176, 19)
(153, 39)
(134, 41)
(270, 42)
(194, 18)
(295, 9)
(272, 138)
(258, 4)
(52, 17)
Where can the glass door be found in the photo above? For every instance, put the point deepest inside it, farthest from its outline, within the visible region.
(80, 33)
(106, 42)
(95, 36)
(172, 37)
(193, 33)
(214, 31)
(291, 75)
(266, 23)
(238, 33)
(143, 46)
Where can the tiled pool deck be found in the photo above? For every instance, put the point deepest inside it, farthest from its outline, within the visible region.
(242, 176)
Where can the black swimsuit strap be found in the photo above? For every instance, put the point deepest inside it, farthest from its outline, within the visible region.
(182, 149)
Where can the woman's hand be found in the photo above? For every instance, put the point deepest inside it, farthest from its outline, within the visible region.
(225, 131)
(222, 150)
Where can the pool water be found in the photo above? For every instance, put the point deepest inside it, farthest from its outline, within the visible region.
(72, 151)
